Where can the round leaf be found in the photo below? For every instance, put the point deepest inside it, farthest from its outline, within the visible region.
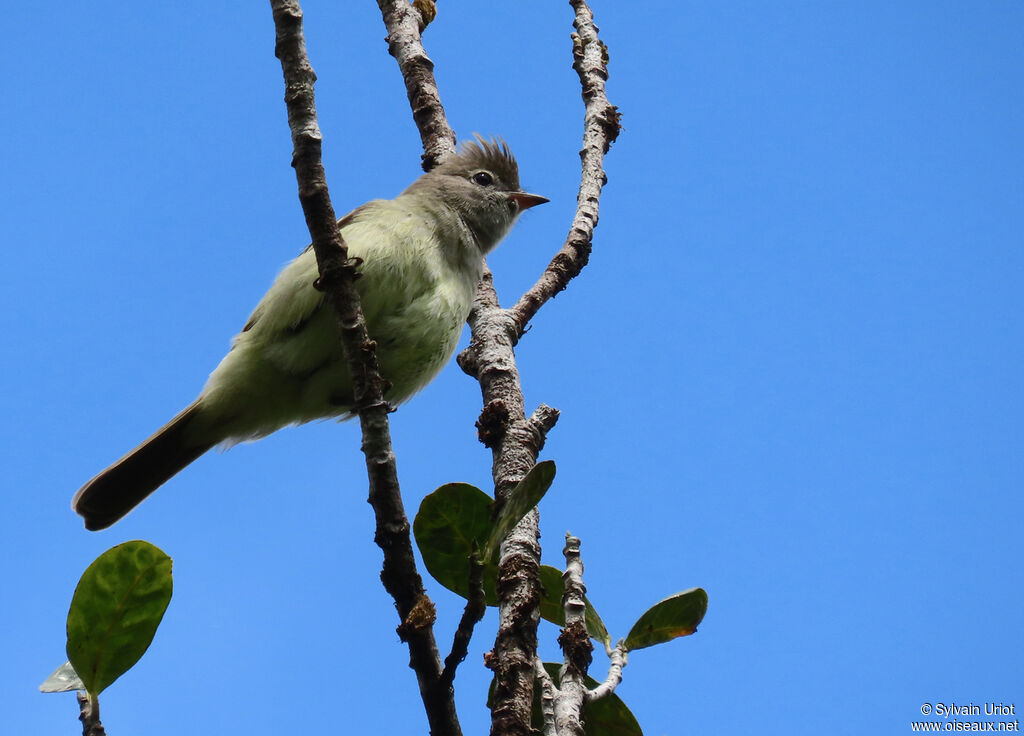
(450, 521)
(116, 610)
(677, 615)
(453, 519)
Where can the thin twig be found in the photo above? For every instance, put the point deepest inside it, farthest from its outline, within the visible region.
(577, 648)
(475, 608)
(600, 129)
(337, 274)
(619, 659)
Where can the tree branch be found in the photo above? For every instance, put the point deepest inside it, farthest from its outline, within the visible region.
(337, 276)
(516, 442)
(619, 658)
(405, 24)
(548, 693)
(600, 129)
(89, 715)
(576, 646)
(475, 608)
(515, 445)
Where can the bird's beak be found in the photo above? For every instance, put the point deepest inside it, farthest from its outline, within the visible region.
(526, 201)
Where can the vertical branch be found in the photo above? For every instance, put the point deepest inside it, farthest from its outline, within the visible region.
(548, 693)
(89, 715)
(337, 276)
(515, 443)
(514, 440)
(576, 646)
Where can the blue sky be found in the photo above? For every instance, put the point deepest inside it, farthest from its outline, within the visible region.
(790, 373)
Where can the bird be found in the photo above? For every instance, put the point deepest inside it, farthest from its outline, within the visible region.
(422, 256)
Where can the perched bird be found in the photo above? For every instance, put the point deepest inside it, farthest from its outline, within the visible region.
(422, 257)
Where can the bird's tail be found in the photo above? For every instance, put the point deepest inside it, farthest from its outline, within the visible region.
(121, 487)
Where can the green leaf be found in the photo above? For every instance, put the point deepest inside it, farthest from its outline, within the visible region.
(64, 679)
(677, 615)
(116, 610)
(526, 495)
(457, 516)
(607, 716)
(450, 521)
(551, 608)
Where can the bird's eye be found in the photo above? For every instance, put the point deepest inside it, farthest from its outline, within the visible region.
(482, 178)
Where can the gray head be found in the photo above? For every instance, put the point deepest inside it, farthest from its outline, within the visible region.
(481, 183)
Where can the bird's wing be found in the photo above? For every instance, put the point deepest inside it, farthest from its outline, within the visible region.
(313, 305)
